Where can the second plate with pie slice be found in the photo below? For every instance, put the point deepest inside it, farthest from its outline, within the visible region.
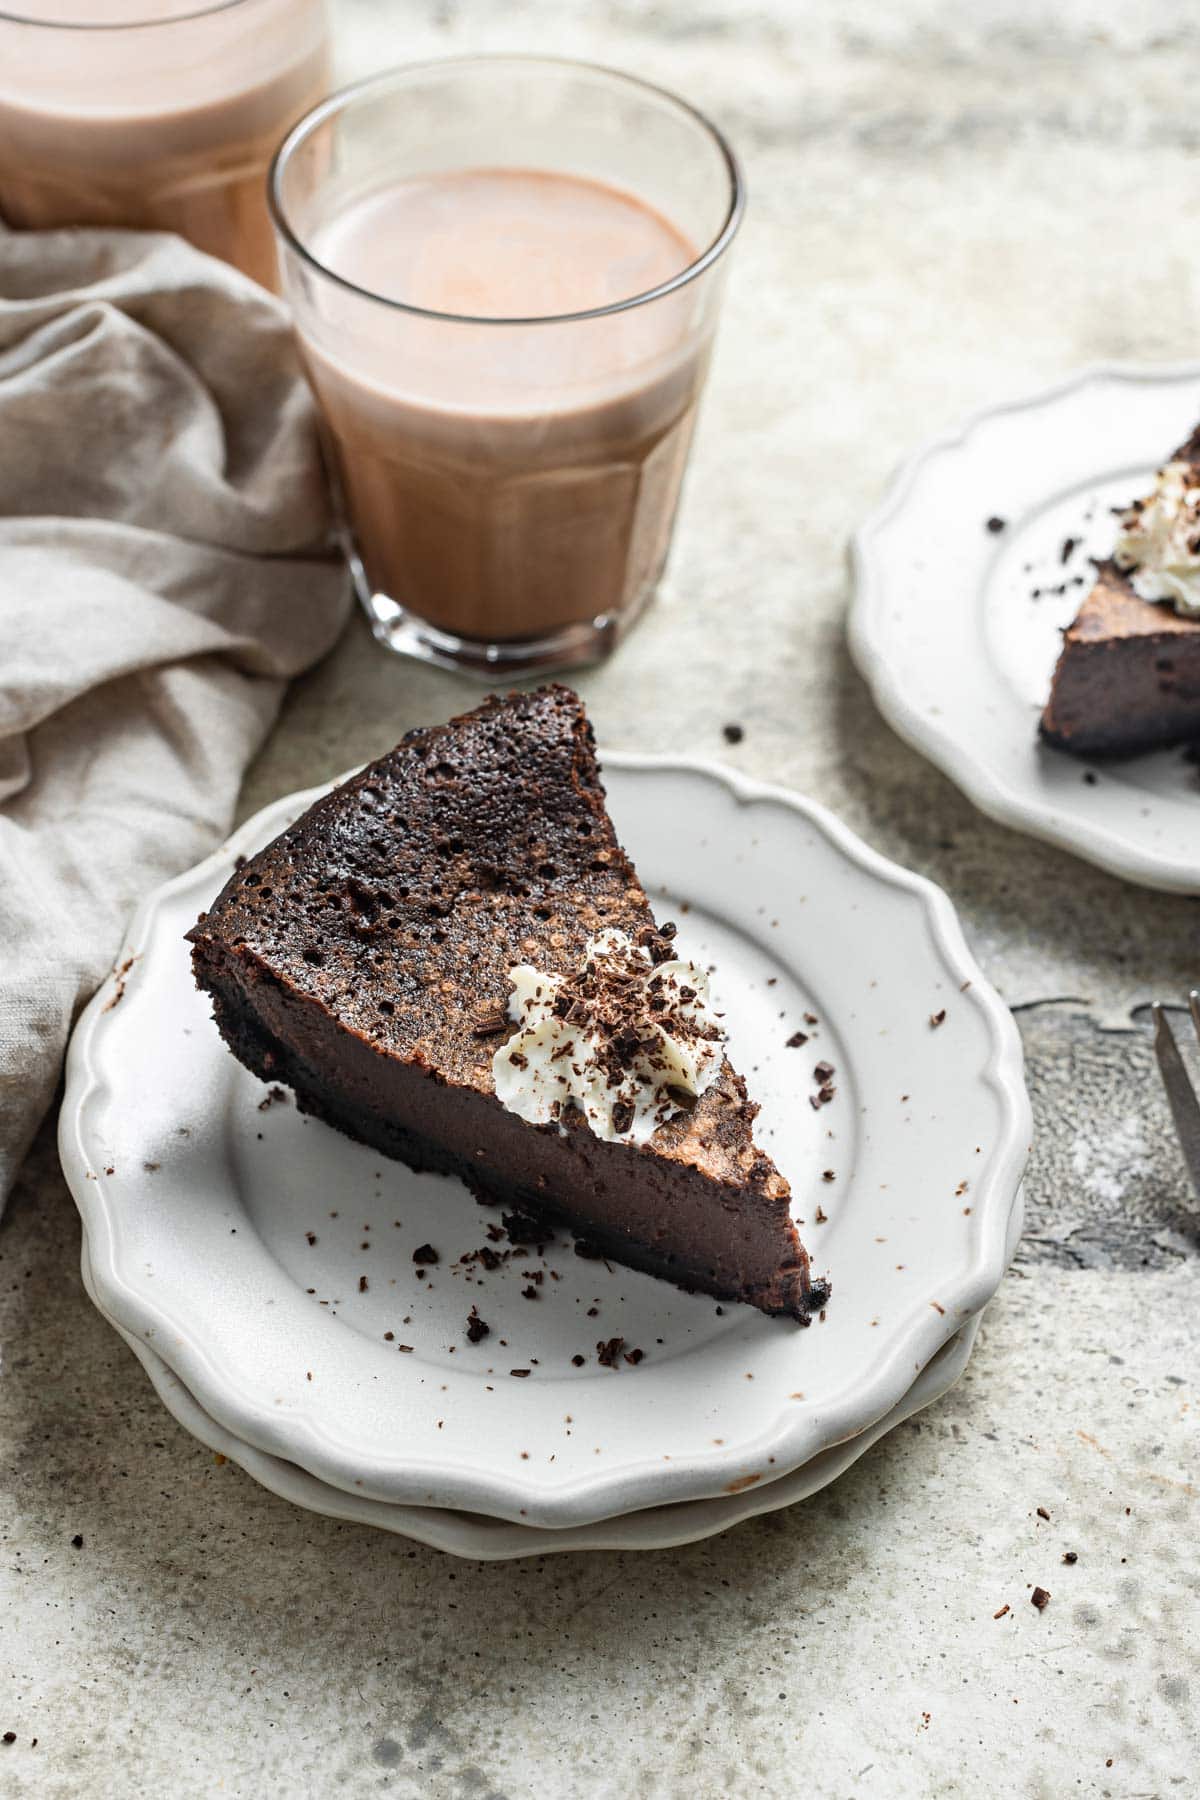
(965, 579)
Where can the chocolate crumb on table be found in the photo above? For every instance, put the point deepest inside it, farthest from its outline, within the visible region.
(520, 1373)
(362, 1284)
(477, 1328)
(609, 1353)
(1039, 1598)
(1004, 1609)
(996, 524)
(797, 1038)
(1070, 1556)
(578, 1361)
(733, 734)
(77, 1541)
(425, 1253)
(1042, 1513)
(937, 1018)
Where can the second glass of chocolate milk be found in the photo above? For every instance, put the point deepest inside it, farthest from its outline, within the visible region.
(160, 114)
(505, 274)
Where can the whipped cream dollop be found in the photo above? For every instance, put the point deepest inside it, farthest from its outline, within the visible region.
(628, 1041)
(1159, 544)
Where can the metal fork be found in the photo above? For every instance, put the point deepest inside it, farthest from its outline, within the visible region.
(1181, 1095)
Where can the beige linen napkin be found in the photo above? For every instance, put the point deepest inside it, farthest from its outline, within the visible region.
(165, 566)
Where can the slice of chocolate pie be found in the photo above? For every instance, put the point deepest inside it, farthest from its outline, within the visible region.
(450, 958)
(1128, 676)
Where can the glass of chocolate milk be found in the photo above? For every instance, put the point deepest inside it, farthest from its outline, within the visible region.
(162, 114)
(505, 274)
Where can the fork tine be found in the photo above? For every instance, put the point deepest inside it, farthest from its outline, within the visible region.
(1185, 1108)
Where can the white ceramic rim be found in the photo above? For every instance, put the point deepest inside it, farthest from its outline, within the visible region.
(795, 1436)
(1009, 805)
(469, 1535)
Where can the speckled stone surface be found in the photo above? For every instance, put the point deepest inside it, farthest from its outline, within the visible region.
(949, 206)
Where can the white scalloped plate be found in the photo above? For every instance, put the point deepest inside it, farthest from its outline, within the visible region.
(957, 650)
(199, 1198)
(497, 1540)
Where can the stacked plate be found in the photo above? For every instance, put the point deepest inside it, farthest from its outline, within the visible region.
(261, 1266)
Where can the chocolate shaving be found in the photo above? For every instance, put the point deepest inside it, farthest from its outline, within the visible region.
(490, 1021)
(609, 1353)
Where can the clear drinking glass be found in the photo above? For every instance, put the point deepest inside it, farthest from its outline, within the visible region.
(156, 113)
(509, 468)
